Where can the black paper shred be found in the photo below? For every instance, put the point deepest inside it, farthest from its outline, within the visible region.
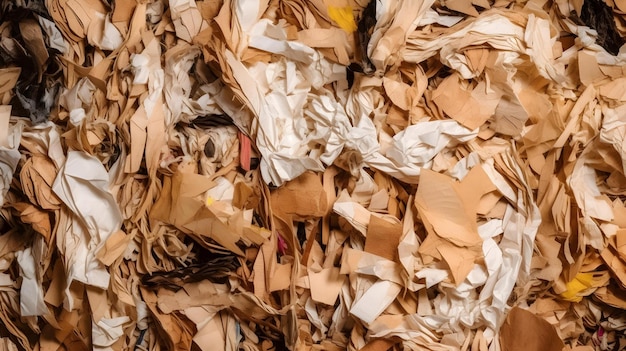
(216, 269)
(599, 16)
(365, 28)
(37, 89)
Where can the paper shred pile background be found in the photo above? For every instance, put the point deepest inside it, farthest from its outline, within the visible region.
(312, 175)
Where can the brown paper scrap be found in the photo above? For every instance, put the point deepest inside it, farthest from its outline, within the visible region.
(523, 330)
(383, 238)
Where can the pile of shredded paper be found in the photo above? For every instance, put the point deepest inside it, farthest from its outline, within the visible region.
(266, 175)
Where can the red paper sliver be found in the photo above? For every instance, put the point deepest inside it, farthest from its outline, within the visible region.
(244, 151)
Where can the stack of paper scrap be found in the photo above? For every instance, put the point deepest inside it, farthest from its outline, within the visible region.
(313, 175)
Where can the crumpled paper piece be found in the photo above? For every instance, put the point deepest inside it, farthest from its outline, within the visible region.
(83, 186)
(416, 146)
(31, 298)
(9, 154)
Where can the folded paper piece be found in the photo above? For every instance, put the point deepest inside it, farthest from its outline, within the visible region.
(312, 175)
